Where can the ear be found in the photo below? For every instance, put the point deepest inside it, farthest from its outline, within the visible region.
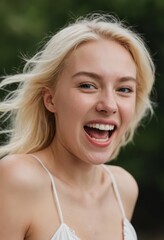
(48, 99)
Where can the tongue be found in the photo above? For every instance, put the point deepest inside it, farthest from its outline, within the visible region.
(96, 133)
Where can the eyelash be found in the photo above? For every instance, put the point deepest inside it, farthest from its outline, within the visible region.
(125, 90)
(90, 87)
(87, 86)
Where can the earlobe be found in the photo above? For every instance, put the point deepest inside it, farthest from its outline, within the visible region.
(48, 99)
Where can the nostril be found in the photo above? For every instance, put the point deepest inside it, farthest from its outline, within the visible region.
(106, 108)
(114, 111)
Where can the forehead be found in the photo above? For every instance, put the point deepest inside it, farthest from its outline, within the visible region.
(101, 56)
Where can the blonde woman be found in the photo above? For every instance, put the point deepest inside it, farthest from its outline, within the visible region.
(79, 100)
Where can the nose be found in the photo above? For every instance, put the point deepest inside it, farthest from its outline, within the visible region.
(107, 103)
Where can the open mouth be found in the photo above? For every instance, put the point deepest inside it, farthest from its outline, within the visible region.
(100, 132)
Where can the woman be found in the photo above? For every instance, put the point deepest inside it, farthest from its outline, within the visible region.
(78, 102)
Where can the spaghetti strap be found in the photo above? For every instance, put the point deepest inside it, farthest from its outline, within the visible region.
(53, 187)
(116, 190)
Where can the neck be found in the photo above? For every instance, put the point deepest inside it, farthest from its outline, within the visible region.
(72, 170)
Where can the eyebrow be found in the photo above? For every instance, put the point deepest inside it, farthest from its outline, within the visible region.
(87, 74)
(128, 78)
(99, 77)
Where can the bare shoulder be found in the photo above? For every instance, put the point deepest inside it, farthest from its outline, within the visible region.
(22, 174)
(19, 188)
(128, 188)
(18, 170)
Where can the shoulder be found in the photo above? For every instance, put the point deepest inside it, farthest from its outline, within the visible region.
(20, 172)
(127, 187)
(12, 169)
(21, 187)
(15, 189)
(15, 169)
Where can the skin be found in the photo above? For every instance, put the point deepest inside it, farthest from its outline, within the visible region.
(98, 85)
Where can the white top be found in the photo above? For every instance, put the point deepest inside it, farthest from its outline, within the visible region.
(64, 232)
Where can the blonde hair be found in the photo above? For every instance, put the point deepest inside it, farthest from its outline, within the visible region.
(31, 126)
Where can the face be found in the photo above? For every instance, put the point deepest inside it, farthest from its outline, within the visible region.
(94, 100)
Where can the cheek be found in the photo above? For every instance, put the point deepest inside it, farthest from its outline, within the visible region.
(128, 111)
(68, 111)
(75, 105)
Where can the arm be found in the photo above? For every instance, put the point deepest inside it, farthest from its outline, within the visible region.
(14, 201)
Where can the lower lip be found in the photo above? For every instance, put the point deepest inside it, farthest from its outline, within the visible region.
(99, 144)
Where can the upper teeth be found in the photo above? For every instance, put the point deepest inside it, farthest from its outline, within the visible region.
(101, 126)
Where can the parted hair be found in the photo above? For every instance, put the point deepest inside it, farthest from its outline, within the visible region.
(29, 125)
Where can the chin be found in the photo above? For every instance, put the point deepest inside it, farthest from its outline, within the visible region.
(98, 159)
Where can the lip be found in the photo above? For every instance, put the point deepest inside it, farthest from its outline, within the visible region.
(101, 144)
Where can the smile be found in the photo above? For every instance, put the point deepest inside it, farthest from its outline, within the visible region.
(99, 133)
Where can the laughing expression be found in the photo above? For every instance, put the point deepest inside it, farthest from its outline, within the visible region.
(94, 101)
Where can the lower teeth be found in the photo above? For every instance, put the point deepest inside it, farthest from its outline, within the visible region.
(100, 140)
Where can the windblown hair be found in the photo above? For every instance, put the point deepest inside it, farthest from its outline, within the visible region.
(31, 127)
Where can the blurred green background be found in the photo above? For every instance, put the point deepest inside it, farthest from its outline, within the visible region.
(23, 26)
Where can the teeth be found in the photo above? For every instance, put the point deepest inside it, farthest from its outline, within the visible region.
(100, 140)
(100, 126)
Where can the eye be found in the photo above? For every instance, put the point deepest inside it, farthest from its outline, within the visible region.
(87, 86)
(125, 90)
